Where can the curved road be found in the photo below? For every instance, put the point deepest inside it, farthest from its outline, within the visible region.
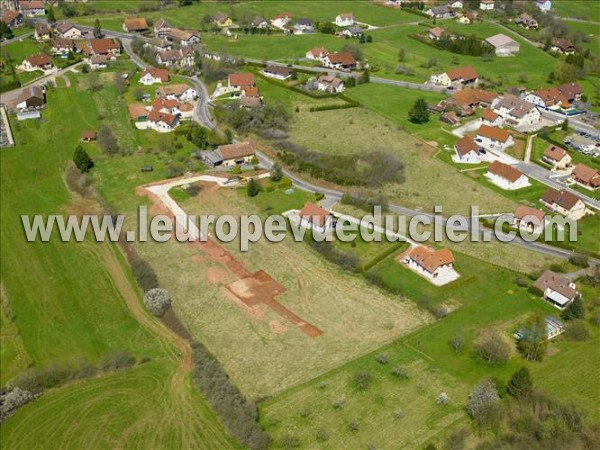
(336, 196)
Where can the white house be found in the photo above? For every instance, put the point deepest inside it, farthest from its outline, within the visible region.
(459, 78)
(161, 28)
(330, 84)
(506, 177)
(152, 76)
(181, 92)
(238, 81)
(557, 289)
(37, 62)
(31, 8)
(67, 30)
(179, 57)
(515, 111)
(440, 12)
(162, 122)
(565, 203)
(185, 38)
(316, 218)
(317, 53)
(98, 62)
(467, 151)
(456, 4)
(486, 5)
(503, 45)
(304, 26)
(344, 20)
(436, 266)
(544, 5)
(281, 20)
(529, 219)
(260, 23)
(494, 138)
(340, 61)
(490, 118)
(277, 72)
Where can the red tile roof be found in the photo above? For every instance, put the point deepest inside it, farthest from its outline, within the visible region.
(40, 60)
(489, 115)
(463, 73)
(556, 282)
(430, 259)
(235, 151)
(241, 79)
(524, 211)
(343, 58)
(465, 145)
(555, 153)
(505, 171)
(586, 175)
(136, 24)
(493, 133)
(314, 214)
(162, 74)
(104, 46)
(563, 198)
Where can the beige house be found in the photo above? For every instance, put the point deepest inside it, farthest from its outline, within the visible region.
(565, 203)
(557, 157)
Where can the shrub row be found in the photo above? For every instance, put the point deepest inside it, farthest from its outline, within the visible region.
(239, 416)
(382, 255)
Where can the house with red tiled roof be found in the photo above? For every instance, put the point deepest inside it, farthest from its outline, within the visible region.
(318, 53)
(277, 72)
(328, 83)
(506, 176)
(340, 61)
(557, 157)
(135, 25)
(436, 266)
(31, 8)
(12, 18)
(563, 46)
(151, 76)
(281, 20)
(230, 155)
(516, 111)
(451, 118)
(237, 81)
(40, 61)
(490, 118)
(180, 91)
(316, 218)
(458, 78)
(529, 219)
(162, 122)
(436, 33)
(571, 91)
(176, 57)
(467, 151)
(586, 176)
(565, 203)
(494, 138)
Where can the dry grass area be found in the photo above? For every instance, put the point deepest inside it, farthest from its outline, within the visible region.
(428, 182)
(503, 255)
(262, 352)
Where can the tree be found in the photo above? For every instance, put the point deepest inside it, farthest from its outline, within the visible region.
(534, 341)
(362, 379)
(82, 160)
(138, 94)
(565, 125)
(120, 83)
(565, 72)
(94, 82)
(5, 31)
(456, 342)
(365, 77)
(276, 172)
(492, 348)
(419, 112)
(157, 301)
(362, 39)
(369, 39)
(253, 188)
(575, 310)
(198, 136)
(353, 50)
(107, 140)
(97, 29)
(401, 55)
(520, 384)
(483, 401)
(50, 15)
(577, 331)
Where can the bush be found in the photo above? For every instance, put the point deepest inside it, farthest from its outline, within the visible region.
(574, 310)
(157, 301)
(339, 403)
(383, 358)
(353, 425)
(11, 400)
(576, 330)
(442, 399)
(322, 435)
(492, 349)
(143, 273)
(116, 361)
(400, 373)
(579, 259)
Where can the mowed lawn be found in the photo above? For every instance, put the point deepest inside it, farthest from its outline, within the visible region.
(484, 297)
(65, 307)
(132, 409)
(580, 9)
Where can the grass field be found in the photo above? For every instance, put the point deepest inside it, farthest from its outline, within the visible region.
(427, 179)
(261, 351)
(129, 410)
(66, 301)
(580, 9)
(431, 365)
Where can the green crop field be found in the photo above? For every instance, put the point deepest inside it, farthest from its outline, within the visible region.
(66, 305)
(431, 365)
(580, 9)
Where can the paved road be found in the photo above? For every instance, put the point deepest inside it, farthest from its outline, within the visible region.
(373, 79)
(10, 97)
(333, 196)
(574, 123)
(201, 114)
(15, 39)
